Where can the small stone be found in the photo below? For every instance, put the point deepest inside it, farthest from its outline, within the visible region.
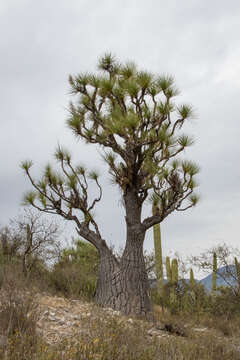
(157, 332)
(52, 318)
(200, 329)
(154, 332)
(61, 321)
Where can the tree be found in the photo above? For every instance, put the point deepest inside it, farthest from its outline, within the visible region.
(28, 239)
(131, 115)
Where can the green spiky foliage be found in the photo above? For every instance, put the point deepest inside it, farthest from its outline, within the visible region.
(158, 253)
(214, 273)
(192, 280)
(237, 267)
(131, 113)
(175, 271)
(168, 270)
(62, 193)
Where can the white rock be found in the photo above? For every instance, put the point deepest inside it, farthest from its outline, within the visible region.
(200, 329)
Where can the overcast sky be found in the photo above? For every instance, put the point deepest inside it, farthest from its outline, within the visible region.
(42, 42)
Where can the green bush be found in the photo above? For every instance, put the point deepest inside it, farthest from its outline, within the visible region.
(225, 303)
(75, 274)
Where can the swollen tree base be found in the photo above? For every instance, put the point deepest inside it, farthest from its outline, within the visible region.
(123, 285)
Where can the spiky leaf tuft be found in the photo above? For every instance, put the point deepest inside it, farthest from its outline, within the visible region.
(186, 111)
(185, 141)
(165, 82)
(29, 198)
(25, 165)
(108, 63)
(190, 168)
(194, 199)
(93, 175)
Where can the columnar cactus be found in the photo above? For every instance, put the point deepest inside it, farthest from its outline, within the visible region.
(237, 266)
(214, 273)
(192, 280)
(175, 271)
(158, 254)
(168, 270)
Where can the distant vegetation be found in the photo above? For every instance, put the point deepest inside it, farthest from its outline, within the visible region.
(32, 260)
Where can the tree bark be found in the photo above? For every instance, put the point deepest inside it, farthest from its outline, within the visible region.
(124, 285)
(108, 269)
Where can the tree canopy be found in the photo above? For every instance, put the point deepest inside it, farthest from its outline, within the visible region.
(131, 114)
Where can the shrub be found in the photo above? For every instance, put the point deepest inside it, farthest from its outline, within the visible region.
(225, 303)
(75, 274)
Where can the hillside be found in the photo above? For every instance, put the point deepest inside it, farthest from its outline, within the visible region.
(70, 329)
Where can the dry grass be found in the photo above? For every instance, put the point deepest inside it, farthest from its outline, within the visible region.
(107, 337)
(18, 317)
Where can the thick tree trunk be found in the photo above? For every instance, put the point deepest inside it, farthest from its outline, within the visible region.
(135, 286)
(124, 285)
(106, 291)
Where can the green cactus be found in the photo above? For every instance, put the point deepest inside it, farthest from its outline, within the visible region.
(192, 280)
(158, 253)
(214, 273)
(175, 271)
(168, 270)
(237, 266)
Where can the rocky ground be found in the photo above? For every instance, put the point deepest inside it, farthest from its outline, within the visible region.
(66, 324)
(61, 318)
